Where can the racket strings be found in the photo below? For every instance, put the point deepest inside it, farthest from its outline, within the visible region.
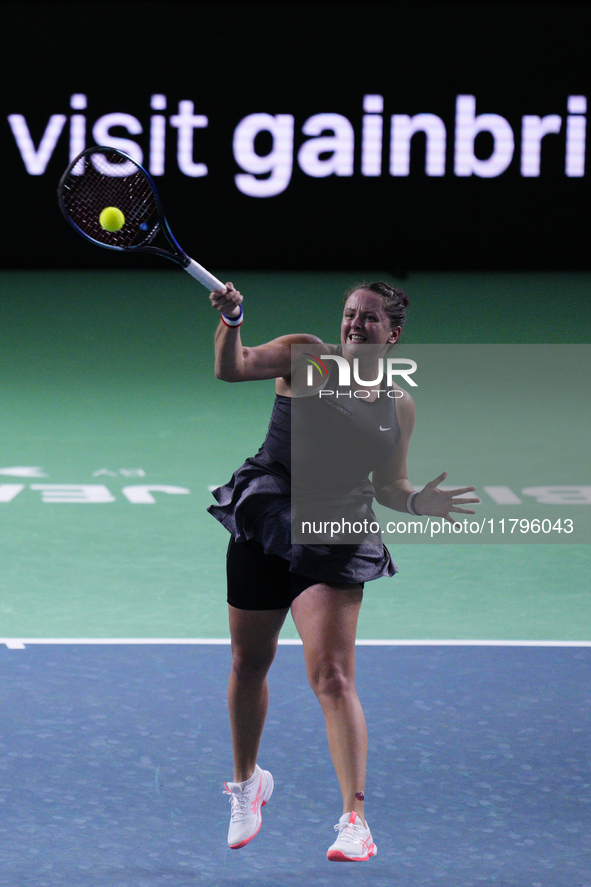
(104, 179)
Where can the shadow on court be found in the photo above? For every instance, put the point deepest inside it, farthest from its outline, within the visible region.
(112, 760)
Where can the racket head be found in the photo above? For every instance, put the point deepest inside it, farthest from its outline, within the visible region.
(102, 177)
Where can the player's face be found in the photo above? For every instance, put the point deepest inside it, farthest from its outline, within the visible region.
(365, 322)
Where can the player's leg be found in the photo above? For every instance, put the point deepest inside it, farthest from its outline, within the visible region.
(259, 599)
(326, 619)
(254, 643)
(254, 635)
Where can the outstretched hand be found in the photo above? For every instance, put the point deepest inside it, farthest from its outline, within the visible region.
(439, 503)
(227, 301)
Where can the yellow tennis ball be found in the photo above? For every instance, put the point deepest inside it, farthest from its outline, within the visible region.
(112, 219)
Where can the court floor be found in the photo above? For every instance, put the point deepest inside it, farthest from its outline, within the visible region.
(113, 758)
(112, 755)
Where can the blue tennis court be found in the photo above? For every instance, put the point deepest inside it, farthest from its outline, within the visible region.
(113, 758)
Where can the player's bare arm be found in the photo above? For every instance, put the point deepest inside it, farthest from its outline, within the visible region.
(393, 486)
(235, 362)
(391, 480)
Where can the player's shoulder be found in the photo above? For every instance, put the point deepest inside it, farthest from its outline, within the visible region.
(317, 346)
(403, 396)
(300, 339)
(405, 407)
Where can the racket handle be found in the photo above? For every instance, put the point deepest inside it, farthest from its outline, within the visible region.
(199, 273)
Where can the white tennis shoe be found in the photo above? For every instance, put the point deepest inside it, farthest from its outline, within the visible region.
(354, 842)
(246, 800)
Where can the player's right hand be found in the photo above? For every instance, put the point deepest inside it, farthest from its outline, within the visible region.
(227, 301)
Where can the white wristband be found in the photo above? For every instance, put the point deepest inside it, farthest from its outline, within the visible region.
(410, 504)
(233, 321)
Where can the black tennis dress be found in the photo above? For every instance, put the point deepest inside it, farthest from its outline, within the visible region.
(338, 439)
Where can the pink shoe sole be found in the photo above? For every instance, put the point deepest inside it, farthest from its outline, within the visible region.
(339, 856)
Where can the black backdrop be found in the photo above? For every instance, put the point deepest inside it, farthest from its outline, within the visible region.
(235, 59)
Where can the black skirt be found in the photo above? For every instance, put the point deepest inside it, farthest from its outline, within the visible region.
(256, 504)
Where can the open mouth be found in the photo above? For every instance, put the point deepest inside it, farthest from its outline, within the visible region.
(354, 337)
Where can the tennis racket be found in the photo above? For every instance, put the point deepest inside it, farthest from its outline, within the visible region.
(105, 177)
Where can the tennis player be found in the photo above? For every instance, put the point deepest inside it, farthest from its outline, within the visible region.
(321, 584)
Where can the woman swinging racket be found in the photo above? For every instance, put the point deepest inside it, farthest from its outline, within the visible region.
(322, 585)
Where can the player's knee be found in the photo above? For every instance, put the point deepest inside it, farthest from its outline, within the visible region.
(330, 679)
(249, 665)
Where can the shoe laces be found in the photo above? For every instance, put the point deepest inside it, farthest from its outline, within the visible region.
(355, 829)
(239, 802)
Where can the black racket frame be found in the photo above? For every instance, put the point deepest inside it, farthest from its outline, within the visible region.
(179, 255)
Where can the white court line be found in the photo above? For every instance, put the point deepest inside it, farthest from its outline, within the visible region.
(22, 643)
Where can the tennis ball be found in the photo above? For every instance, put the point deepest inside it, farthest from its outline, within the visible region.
(112, 219)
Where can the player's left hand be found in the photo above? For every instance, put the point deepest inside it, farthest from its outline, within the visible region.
(439, 503)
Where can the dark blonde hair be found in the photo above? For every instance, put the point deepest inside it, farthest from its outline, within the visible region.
(395, 301)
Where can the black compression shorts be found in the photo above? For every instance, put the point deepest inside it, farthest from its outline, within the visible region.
(259, 581)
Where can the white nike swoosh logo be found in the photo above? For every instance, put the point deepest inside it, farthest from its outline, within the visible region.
(385, 429)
